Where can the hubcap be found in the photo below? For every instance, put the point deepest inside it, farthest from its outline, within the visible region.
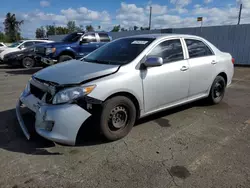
(28, 62)
(118, 117)
(218, 89)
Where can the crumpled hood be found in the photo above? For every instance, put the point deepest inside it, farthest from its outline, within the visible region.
(74, 72)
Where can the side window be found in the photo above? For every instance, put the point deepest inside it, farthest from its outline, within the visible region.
(90, 37)
(28, 44)
(170, 50)
(39, 42)
(1, 45)
(104, 37)
(197, 48)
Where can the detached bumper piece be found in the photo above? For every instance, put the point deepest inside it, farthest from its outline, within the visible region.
(20, 120)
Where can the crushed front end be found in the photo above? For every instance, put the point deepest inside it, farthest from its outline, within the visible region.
(55, 122)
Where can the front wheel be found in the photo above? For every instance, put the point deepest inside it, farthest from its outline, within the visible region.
(217, 90)
(117, 117)
(28, 62)
(63, 58)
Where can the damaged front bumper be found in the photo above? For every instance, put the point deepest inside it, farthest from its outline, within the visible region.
(58, 123)
(48, 61)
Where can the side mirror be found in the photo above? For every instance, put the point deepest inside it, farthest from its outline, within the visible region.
(21, 47)
(153, 62)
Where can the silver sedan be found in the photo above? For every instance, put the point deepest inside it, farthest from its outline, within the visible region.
(123, 81)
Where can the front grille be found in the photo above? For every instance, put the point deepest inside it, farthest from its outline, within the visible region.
(37, 92)
(40, 50)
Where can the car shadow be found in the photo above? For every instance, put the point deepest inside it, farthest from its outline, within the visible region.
(12, 138)
(24, 71)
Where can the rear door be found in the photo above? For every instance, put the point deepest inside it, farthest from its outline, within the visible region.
(202, 62)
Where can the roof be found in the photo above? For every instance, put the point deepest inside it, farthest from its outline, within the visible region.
(36, 40)
(158, 36)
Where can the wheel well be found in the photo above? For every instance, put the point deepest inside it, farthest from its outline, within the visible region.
(67, 53)
(132, 98)
(222, 74)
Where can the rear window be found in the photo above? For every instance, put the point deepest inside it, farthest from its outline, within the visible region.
(197, 48)
(104, 37)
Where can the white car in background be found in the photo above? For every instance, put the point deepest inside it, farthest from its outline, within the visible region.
(21, 45)
(2, 47)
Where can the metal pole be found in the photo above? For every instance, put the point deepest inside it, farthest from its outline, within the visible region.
(201, 25)
(240, 14)
(150, 15)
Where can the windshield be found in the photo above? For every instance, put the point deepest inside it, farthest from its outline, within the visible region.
(15, 44)
(73, 37)
(121, 51)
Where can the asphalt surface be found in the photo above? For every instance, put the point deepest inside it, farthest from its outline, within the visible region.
(191, 146)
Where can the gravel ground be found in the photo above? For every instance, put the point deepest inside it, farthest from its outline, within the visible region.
(191, 146)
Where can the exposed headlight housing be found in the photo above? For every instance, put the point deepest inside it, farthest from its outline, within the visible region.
(50, 51)
(70, 94)
(26, 90)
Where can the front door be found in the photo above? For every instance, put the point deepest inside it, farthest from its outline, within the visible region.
(168, 84)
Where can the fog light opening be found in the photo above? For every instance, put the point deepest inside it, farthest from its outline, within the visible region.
(49, 125)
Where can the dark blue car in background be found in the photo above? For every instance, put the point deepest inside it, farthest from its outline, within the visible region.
(73, 46)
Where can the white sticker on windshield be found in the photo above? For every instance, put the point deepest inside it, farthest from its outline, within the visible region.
(139, 42)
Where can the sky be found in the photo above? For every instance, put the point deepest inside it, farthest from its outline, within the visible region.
(127, 13)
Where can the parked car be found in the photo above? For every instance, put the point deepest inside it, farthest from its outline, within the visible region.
(123, 81)
(2, 46)
(25, 58)
(21, 45)
(73, 46)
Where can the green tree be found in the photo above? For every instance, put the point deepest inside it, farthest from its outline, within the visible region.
(71, 25)
(50, 30)
(2, 37)
(62, 30)
(116, 28)
(12, 27)
(144, 28)
(123, 29)
(135, 27)
(40, 33)
(89, 28)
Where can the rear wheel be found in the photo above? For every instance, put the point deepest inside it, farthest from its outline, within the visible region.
(28, 62)
(117, 117)
(63, 58)
(217, 90)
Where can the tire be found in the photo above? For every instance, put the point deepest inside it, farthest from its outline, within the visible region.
(28, 62)
(63, 58)
(217, 90)
(117, 118)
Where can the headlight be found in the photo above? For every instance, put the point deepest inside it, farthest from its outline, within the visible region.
(50, 51)
(70, 94)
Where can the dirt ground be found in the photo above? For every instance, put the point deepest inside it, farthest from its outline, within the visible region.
(191, 146)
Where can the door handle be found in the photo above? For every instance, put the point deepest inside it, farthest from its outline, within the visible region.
(184, 68)
(213, 62)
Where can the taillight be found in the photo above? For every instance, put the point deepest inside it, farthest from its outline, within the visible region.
(233, 60)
